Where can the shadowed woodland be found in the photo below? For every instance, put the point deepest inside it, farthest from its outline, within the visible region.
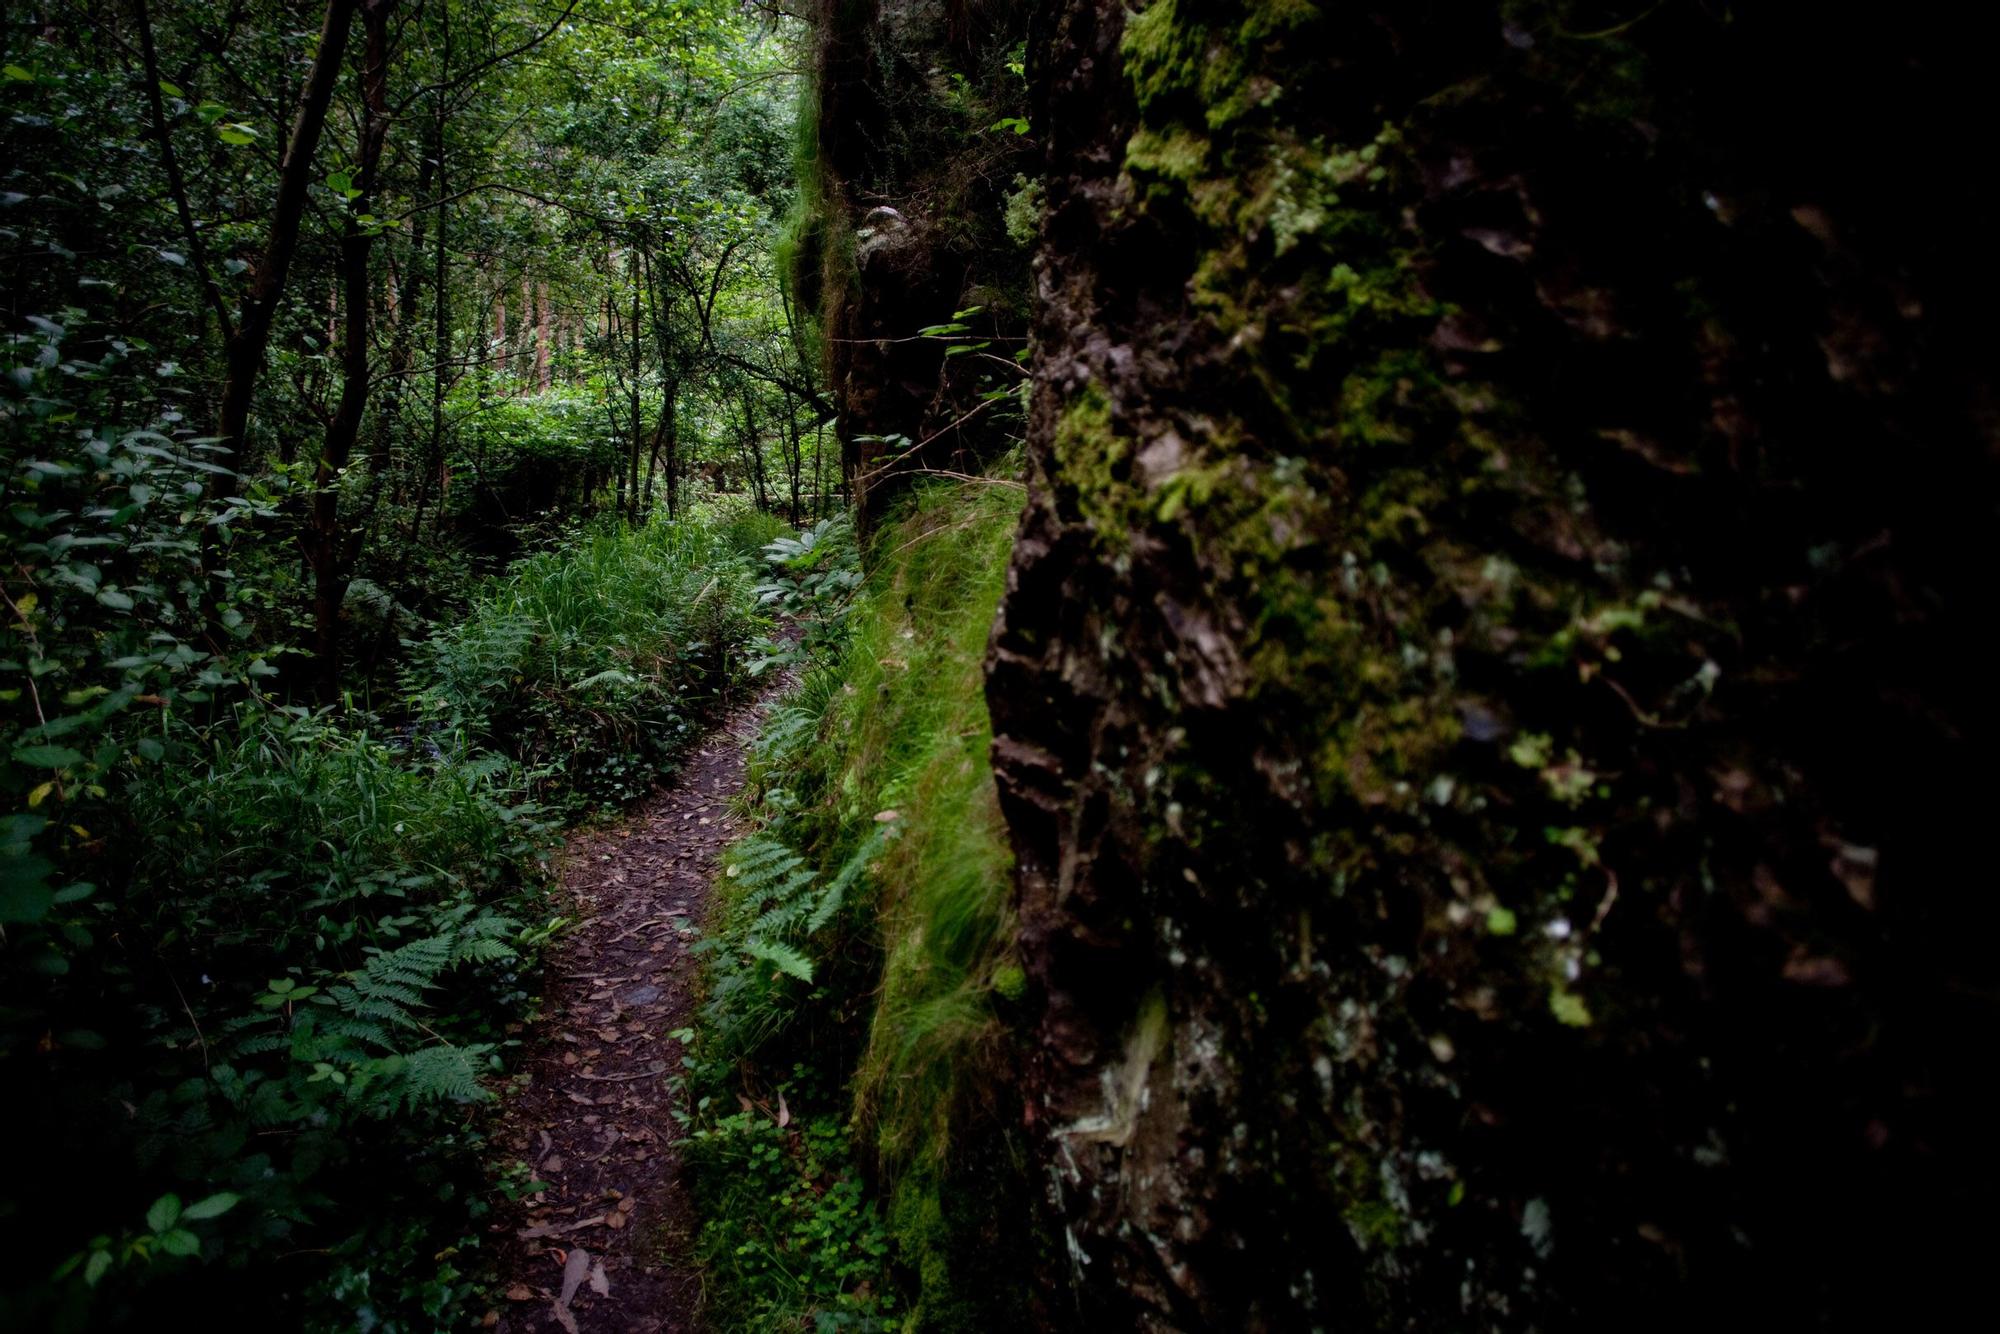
(963, 665)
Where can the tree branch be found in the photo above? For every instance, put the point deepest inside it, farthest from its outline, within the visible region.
(176, 186)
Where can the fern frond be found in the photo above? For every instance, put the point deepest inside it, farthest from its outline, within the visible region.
(782, 957)
(483, 951)
(850, 870)
(445, 1073)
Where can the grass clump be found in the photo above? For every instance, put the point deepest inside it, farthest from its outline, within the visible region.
(594, 662)
(888, 1007)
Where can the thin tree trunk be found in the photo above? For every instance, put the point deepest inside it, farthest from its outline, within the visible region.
(794, 456)
(176, 186)
(244, 357)
(610, 411)
(663, 335)
(634, 335)
(671, 407)
(819, 452)
(542, 334)
(405, 292)
(433, 470)
(500, 357)
(331, 558)
(754, 461)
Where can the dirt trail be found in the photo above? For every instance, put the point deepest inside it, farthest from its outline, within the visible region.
(607, 1247)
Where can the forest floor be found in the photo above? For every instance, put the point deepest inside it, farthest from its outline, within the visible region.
(608, 1246)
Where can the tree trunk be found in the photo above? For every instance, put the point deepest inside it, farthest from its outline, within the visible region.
(329, 554)
(243, 359)
(542, 336)
(432, 473)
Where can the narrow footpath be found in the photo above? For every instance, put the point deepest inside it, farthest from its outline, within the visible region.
(606, 1249)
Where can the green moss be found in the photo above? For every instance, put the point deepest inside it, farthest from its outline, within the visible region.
(1162, 57)
(1177, 154)
(1092, 457)
(908, 731)
(924, 1093)
(1010, 982)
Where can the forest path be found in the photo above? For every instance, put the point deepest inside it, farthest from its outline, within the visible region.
(608, 1247)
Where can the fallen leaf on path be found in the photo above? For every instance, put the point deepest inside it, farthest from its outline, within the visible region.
(600, 1282)
(520, 1292)
(575, 1270)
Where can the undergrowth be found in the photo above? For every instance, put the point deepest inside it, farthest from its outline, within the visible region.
(860, 961)
(595, 661)
(260, 964)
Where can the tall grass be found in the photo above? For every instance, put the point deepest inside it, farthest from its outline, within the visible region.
(593, 663)
(295, 832)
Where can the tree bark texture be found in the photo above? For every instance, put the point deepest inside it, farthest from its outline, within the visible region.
(1490, 700)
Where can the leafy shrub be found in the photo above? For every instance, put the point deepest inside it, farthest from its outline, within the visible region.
(810, 579)
(314, 949)
(258, 964)
(747, 530)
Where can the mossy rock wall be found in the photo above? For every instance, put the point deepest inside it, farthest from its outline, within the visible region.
(1490, 700)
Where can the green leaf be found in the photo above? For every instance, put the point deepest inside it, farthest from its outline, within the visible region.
(18, 75)
(236, 132)
(1568, 1008)
(1502, 922)
(166, 1211)
(170, 90)
(24, 891)
(181, 1242)
(46, 757)
(95, 1268)
(214, 1206)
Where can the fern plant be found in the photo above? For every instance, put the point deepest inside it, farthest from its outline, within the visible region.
(779, 909)
(369, 1033)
